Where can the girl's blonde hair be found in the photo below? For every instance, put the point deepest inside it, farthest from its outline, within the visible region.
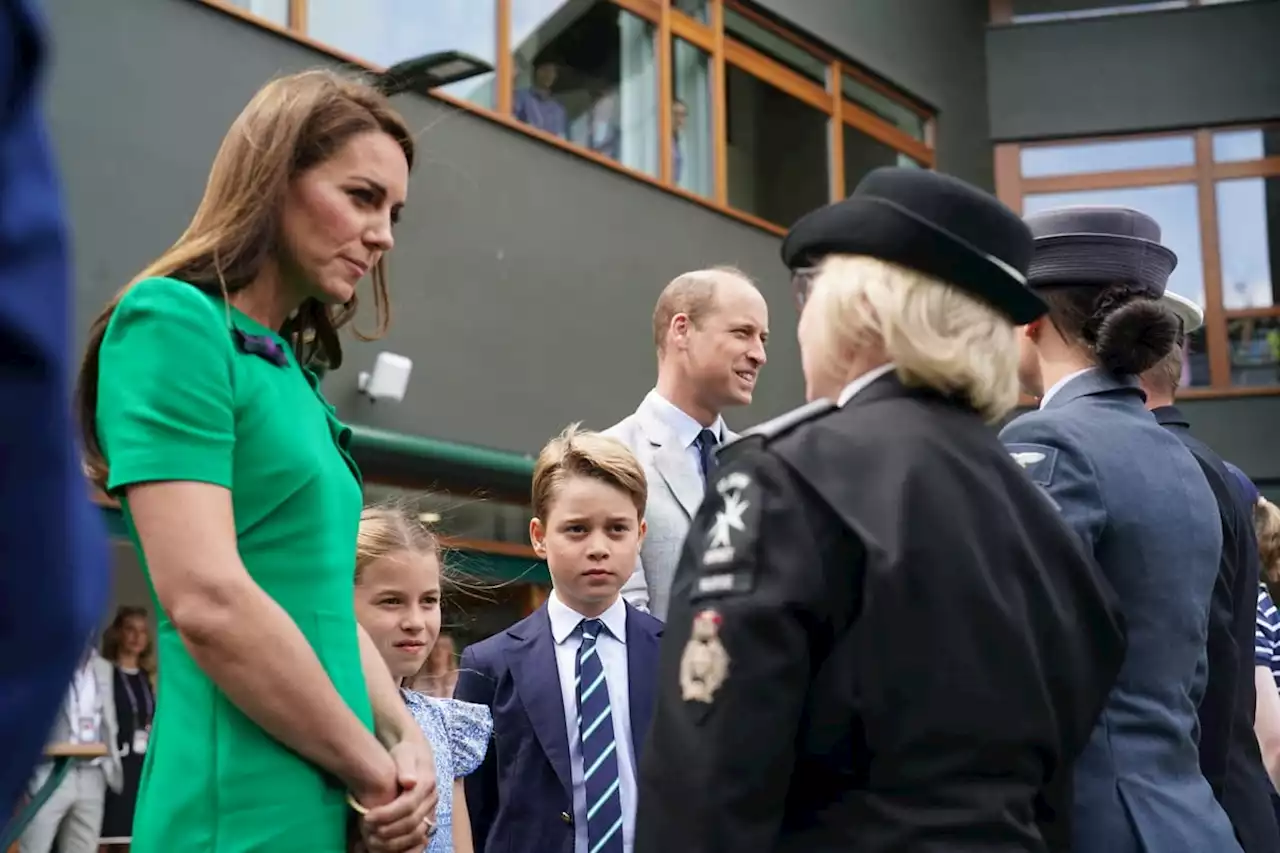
(393, 528)
(292, 124)
(936, 335)
(1266, 521)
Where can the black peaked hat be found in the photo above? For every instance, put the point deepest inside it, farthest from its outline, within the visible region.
(1098, 245)
(931, 223)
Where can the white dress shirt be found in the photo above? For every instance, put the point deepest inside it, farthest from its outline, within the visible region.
(1057, 386)
(84, 704)
(862, 382)
(611, 646)
(684, 429)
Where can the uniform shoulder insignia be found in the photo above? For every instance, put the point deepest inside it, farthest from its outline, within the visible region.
(783, 424)
(1037, 460)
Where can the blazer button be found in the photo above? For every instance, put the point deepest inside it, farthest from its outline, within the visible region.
(567, 818)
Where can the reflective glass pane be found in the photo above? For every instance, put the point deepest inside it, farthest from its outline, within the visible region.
(862, 153)
(697, 9)
(1040, 161)
(275, 11)
(1254, 346)
(588, 73)
(1195, 361)
(385, 32)
(1174, 207)
(879, 104)
(692, 148)
(1249, 241)
(1234, 146)
(770, 43)
(777, 150)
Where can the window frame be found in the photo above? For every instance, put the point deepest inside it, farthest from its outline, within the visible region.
(671, 23)
(1204, 174)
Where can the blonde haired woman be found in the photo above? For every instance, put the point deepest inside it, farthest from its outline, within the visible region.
(873, 596)
(200, 411)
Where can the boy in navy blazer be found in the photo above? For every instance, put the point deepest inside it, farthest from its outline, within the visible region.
(571, 687)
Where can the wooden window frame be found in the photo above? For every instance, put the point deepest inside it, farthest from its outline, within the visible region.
(1204, 173)
(671, 23)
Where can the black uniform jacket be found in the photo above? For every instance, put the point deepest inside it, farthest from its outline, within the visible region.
(1229, 755)
(904, 647)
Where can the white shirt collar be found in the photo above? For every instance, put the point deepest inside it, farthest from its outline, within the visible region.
(1058, 386)
(681, 426)
(862, 382)
(565, 620)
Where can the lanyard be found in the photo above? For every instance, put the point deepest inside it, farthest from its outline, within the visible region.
(75, 709)
(138, 723)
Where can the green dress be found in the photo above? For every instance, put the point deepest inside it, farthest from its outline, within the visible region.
(186, 392)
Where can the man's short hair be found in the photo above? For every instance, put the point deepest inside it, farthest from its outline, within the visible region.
(692, 294)
(582, 453)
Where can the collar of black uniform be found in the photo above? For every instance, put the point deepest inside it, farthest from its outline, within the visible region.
(935, 224)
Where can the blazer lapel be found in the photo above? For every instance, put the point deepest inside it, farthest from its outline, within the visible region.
(672, 463)
(642, 674)
(537, 680)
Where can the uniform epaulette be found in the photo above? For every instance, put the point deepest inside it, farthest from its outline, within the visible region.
(783, 424)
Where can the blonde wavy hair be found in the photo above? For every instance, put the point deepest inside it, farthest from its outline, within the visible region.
(1266, 522)
(936, 335)
(394, 528)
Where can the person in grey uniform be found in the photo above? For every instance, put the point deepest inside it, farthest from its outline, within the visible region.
(1138, 502)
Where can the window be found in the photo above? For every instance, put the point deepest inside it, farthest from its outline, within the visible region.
(709, 97)
(692, 143)
(588, 74)
(275, 11)
(1042, 161)
(1216, 195)
(777, 150)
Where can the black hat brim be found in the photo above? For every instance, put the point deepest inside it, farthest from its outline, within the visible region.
(879, 228)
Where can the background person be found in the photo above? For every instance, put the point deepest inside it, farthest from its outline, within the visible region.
(127, 653)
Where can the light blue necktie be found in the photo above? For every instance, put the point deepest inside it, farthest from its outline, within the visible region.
(599, 750)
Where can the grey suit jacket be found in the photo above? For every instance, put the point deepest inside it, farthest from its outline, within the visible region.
(104, 676)
(1142, 508)
(675, 492)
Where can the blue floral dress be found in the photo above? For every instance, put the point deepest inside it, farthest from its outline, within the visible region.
(459, 733)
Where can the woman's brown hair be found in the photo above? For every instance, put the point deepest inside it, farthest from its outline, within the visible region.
(114, 635)
(1123, 327)
(292, 124)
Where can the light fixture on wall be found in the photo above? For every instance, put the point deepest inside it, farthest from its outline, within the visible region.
(421, 74)
(389, 378)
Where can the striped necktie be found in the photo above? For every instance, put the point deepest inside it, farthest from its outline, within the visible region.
(599, 751)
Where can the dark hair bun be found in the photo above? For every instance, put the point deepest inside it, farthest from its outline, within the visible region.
(1134, 335)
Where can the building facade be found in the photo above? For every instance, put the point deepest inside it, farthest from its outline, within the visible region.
(613, 144)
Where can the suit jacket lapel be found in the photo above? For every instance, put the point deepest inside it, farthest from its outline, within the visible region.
(537, 680)
(642, 671)
(672, 463)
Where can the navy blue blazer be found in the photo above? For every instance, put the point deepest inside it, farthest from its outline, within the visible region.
(521, 798)
(1139, 503)
(54, 582)
(1229, 753)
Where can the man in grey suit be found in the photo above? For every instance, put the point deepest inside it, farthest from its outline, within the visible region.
(71, 820)
(710, 329)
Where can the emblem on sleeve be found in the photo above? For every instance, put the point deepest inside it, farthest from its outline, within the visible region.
(704, 662)
(1037, 460)
(730, 517)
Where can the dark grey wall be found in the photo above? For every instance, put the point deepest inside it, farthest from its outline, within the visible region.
(1182, 68)
(524, 277)
(933, 49)
(1245, 430)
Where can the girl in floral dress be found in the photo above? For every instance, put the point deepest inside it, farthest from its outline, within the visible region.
(398, 573)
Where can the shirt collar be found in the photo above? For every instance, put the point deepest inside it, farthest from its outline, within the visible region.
(565, 620)
(683, 427)
(1060, 384)
(862, 382)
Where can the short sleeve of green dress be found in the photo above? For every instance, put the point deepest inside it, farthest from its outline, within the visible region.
(191, 390)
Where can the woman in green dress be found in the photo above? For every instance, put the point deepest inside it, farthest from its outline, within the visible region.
(277, 717)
